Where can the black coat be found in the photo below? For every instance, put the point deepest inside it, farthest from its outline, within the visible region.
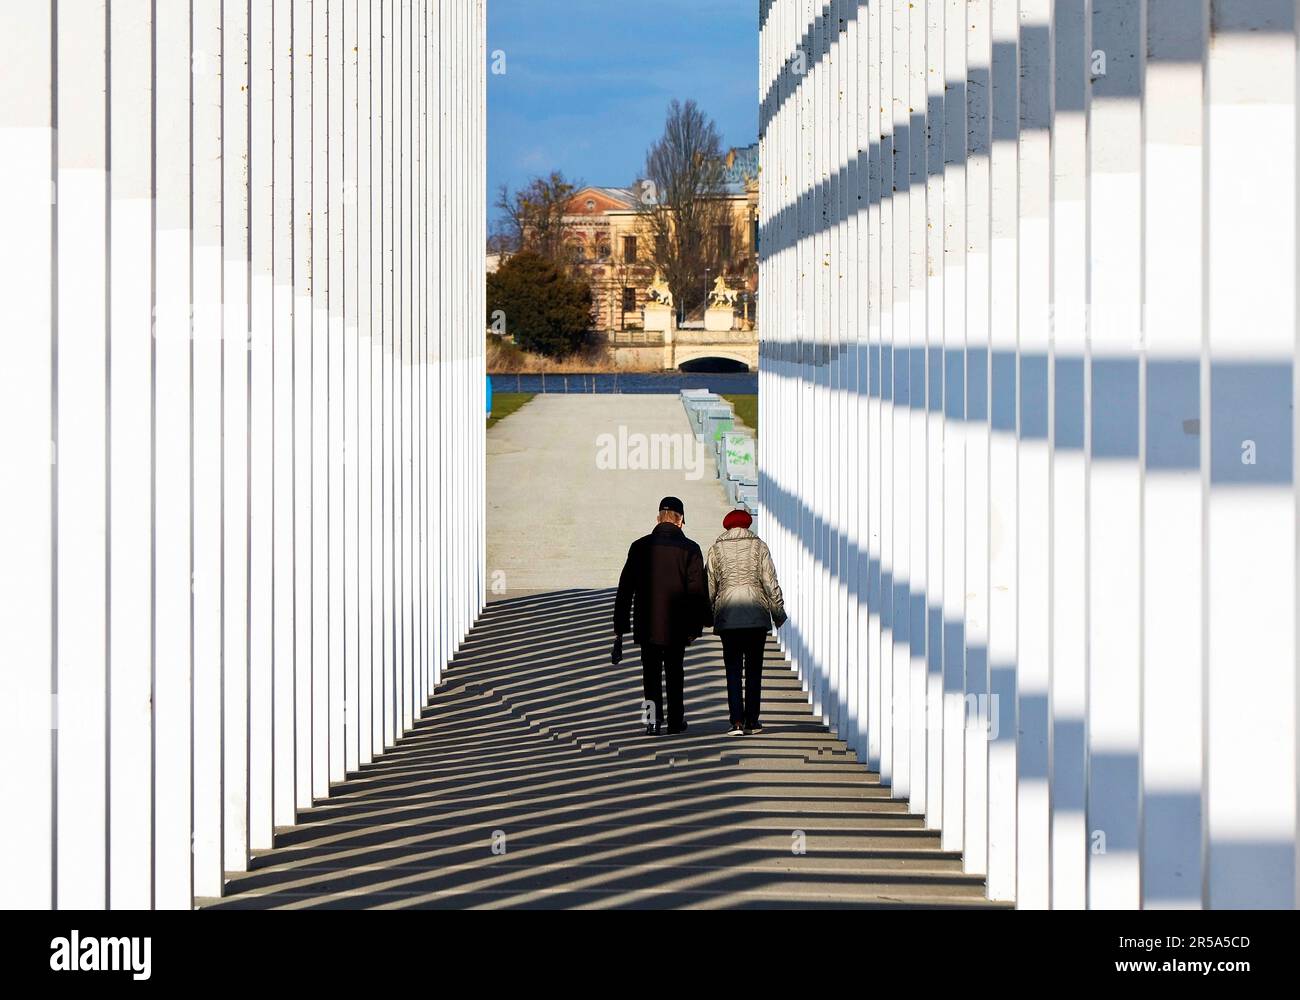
(663, 596)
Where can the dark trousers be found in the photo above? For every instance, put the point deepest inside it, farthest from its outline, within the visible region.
(657, 661)
(742, 650)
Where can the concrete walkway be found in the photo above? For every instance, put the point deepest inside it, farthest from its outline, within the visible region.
(528, 783)
(557, 519)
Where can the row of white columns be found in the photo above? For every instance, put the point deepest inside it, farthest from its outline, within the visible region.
(1028, 429)
(241, 404)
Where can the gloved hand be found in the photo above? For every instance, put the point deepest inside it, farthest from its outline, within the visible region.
(616, 654)
(779, 619)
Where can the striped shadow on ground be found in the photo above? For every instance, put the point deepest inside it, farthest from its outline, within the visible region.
(528, 783)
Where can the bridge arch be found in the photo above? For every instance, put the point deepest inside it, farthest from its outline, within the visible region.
(740, 354)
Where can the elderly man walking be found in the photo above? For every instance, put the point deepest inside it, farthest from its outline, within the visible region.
(746, 603)
(663, 600)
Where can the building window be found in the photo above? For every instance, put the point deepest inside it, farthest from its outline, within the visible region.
(629, 249)
(629, 300)
(724, 242)
(661, 246)
(591, 205)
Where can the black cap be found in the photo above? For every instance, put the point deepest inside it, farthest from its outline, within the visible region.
(673, 504)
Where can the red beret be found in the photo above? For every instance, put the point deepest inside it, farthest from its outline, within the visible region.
(737, 519)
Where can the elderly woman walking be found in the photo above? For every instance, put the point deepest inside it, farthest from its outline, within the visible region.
(747, 602)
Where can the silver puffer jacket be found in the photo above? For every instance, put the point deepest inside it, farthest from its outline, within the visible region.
(742, 582)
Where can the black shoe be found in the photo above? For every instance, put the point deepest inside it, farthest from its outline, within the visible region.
(675, 730)
(736, 730)
(753, 730)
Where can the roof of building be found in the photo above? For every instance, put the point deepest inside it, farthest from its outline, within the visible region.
(741, 168)
(620, 196)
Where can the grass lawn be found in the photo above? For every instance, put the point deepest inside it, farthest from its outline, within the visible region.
(746, 409)
(505, 403)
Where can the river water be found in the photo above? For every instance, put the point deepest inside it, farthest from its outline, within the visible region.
(632, 382)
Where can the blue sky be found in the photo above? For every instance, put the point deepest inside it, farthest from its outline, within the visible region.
(588, 82)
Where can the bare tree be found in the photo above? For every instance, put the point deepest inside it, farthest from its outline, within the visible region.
(683, 211)
(534, 216)
(502, 240)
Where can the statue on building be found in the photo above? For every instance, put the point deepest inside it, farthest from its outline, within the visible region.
(659, 291)
(721, 297)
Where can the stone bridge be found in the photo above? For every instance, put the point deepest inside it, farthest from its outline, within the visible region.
(676, 347)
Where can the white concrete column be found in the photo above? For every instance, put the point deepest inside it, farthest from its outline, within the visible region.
(28, 276)
(130, 399)
(932, 606)
(978, 724)
(234, 442)
(352, 470)
(81, 449)
(304, 630)
(1250, 520)
(954, 428)
(803, 469)
(262, 427)
(1174, 231)
(1114, 452)
(173, 580)
(403, 454)
(900, 511)
(390, 304)
(1004, 115)
(836, 320)
(917, 419)
(853, 409)
(1068, 692)
(821, 243)
(876, 241)
(285, 621)
(442, 349)
(367, 475)
(336, 387)
(1033, 548)
(320, 656)
(207, 266)
(805, 180)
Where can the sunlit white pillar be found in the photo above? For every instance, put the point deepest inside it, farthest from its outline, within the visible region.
(954, 429)
(978, 723)
(261, 427)
(130, 399)
(1033, 612)
(876, 332)
(28, 200)
(1068, 693)
(900, 511)
(205, 179)
(1114, 495)
(1172, 767)
(285, 622)
(932, 606)
(303, 611)
(918, 404)
(173, 580)
(235, 354)
(1250, 570)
